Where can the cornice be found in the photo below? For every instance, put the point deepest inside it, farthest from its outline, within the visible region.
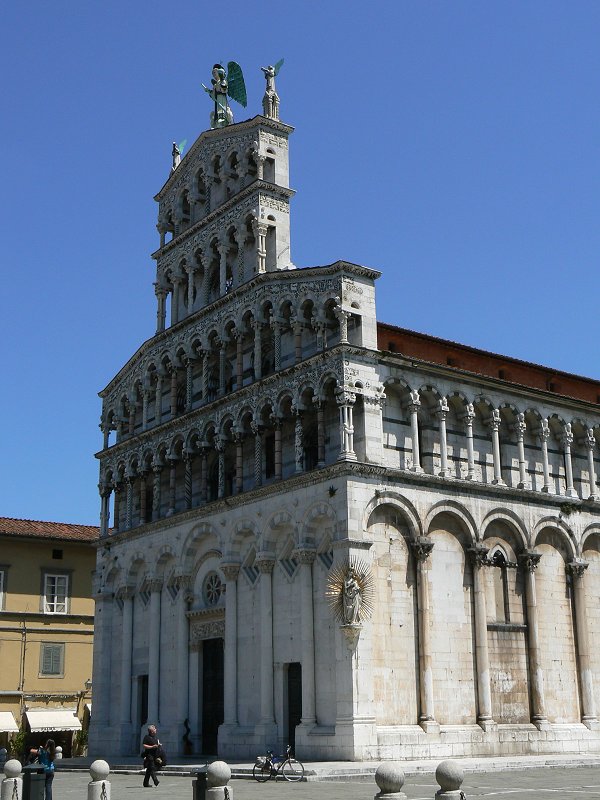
(479, 382)
(257, 185)
(213, 614)
(214, 134)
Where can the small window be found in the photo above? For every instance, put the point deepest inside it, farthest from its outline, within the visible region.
(52, 659)
(57, 554)
(56, 592)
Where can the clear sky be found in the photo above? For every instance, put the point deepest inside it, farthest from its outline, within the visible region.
(455, 146)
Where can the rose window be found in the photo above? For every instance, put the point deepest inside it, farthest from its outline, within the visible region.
(213, 589)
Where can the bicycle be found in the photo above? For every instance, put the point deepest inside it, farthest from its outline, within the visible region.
(269, 765)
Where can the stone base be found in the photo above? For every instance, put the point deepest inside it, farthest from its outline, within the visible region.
(430, 726)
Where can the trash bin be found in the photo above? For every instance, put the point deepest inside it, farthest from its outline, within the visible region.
(198, 785)
(34, 782)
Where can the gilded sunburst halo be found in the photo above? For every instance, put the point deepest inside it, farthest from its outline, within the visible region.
(350, 591)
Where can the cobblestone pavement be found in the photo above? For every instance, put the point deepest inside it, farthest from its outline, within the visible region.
(582, 783)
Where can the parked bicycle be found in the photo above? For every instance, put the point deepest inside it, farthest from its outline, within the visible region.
(269, 765)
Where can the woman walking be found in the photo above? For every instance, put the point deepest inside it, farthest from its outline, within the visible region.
(45, 756)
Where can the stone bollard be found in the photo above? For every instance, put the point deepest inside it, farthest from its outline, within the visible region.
(12, 785)
(57, 753)
(3, 757)
(217, 777)
(98, 787)
(450, 776)
(390, 779)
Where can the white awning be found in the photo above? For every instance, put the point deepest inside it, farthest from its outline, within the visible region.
(7, 723)
(52, 719)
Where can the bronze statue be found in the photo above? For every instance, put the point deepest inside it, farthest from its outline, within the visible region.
(225, 84)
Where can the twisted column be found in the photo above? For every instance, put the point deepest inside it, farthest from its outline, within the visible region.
(128, 501)
(188, 460)
(189, 384)
(278, 463)
(239, 462)
(117, 488)
(257, 431)
(220, 448)
(276, 328)
(298, 442)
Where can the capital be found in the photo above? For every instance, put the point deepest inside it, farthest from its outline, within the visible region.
(264, 564)
(479, 555)
(495, 420)
(442, 408)
(529, 560)
(421, 548)
(567, 437)
(230, 571)
(590, 439)
(577, 568)
(305, 555)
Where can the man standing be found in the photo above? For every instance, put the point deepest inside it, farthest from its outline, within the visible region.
(151, 745)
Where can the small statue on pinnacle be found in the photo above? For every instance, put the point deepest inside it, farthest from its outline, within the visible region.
(224, 84)
(271, 98)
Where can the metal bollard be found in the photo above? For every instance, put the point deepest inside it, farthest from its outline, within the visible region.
(217, 778)
(390, 779)
(450, 776)
(58, 753)
(99, 786)
(12, 785)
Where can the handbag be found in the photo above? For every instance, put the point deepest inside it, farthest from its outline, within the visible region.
(160, 756)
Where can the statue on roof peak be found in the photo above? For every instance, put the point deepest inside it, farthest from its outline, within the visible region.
(224, 85)
(271, 98)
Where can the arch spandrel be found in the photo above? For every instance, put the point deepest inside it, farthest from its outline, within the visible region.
(512, 521)
(457, 512)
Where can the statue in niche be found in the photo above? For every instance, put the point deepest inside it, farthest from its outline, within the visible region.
(350, 592)
(352, 598)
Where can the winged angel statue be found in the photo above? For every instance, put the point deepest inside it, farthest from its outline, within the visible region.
(271, 98)
(225, 84)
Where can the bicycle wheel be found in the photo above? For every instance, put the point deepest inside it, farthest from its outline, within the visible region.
(293, 770)
(261, 772)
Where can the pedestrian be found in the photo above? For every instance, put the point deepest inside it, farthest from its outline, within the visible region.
(151, 745)
(45, 756)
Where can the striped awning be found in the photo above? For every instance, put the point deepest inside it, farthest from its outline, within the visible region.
(52, 719)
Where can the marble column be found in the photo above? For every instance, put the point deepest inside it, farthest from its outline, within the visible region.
(131, 421)
(530, 560)
(345, 401)
(157, 470)
(320, 404)
(342, 317)
(239, 462)
(413, 407)
(577, 570)
(188, 458)
(567, 441)
(257, 326)
(158, 399)
(298, 442)
(278, 463)
(306, 558)
(479, 560)
(239, 358)
(258, 431)
(590, 444)
(220, 448)
(184, 598)
(143, 497)
(442, 413)
(175, 300)
(494, 422)
(265, 566)
(145, 401)
(189, 384)
(126, 596)
(154, 628)
(105, 492)
(161, 294)
(190, 303)
(260, 234)
(203, 354)
(204, 448)
(172, 486)
(520, 427)
(469, 418)
(117, 488)
(223, 250)
(128, 501)
(421, 549)
(231, 572)
(297, 329)
(276, 328)
(173, 394)
(544, 435)
(222, 346)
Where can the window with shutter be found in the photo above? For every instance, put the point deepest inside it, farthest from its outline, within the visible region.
(52, 659)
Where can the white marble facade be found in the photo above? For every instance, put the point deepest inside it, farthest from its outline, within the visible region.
(260, 438)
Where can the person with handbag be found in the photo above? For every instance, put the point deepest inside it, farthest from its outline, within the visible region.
(151, 745)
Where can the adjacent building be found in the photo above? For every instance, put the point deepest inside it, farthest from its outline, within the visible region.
(327, 530)
(46, 630)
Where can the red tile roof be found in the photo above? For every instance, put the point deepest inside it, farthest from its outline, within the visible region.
(48, 530)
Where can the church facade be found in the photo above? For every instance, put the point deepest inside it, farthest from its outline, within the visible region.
(320, 529)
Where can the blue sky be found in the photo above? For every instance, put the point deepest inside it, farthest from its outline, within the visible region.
(455, 146)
